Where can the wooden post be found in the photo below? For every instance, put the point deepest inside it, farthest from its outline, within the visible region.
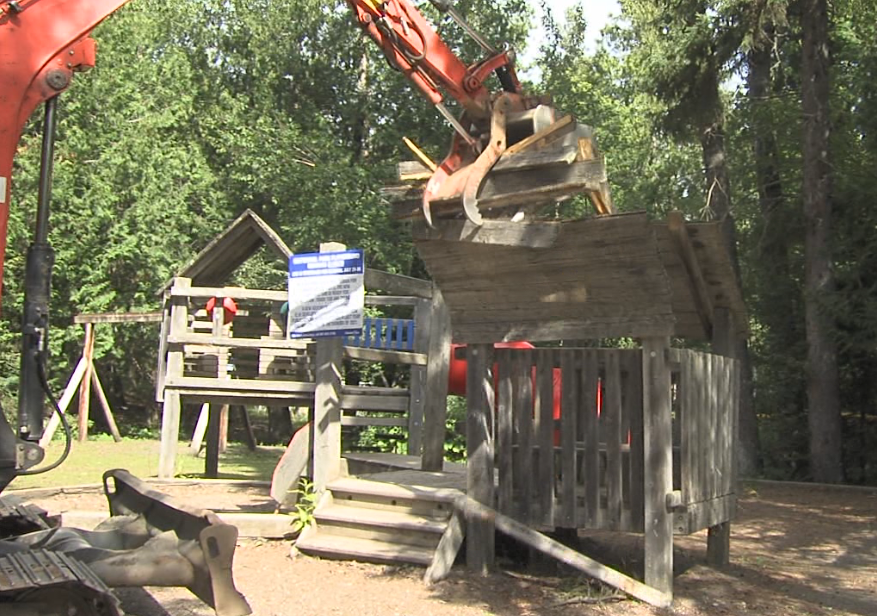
(327, 403)
(200, 429)
(85, 384)
(223, 428)
(211, 457)
(69, 392)
(436, 390)
(480, 548)
(170, 415)
(718, 542)
(249, 435)
(105, 405)
(658, 463)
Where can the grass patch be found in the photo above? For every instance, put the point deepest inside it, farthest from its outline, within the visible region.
(89, 460)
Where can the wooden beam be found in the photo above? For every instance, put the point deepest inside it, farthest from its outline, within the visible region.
(200, 430)
(696, 282)
(658, 461)
(391, 357)
(448, 547)
(118, 317)
(494, 232)
(170, 414)
(477, 511)
(435, 390)
(480, 546)
(85, 385)
(543, 137)
(105, 405)
(69, 392)
(527, 187)
(293, 464)
(396, 284)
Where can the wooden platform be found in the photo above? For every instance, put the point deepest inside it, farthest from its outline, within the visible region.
(405, 471)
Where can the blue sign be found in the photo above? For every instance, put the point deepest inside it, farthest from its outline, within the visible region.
(326, 293)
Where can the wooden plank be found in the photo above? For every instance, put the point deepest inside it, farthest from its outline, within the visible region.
(705, 514)
(657, 435)
(525, 187)
(85, 385)
(532, 160)
(327, 403)
(200, 429)
(397, 404)
(292, 465)
(480, 550)
(712, 412)
(105, 405)
(699, 386)
(591, 454)
(417, 378)
(66, 397)
(688, 410)
(226, 342)
(571, 402)
(249, 435)
(347, 420)
(612, 412)
(238, 293)
(396, 284)
(700, 293)
(119, 317)
(161, 368)
(476, 511)
(390, 357)
(391, 300)
(493, 232)
(261, 386)
(543, 137)
(211, 454)
(637, 461)
(170, 416)
(505, 431)
(436, 389)
(544, 410)
(524, 469)
(446, 552)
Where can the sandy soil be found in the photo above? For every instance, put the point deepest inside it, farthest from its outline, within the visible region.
(796, 550)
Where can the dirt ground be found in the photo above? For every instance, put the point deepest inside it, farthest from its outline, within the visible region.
(796, 550)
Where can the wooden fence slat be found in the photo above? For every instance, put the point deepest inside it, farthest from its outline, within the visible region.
(504, 430)
(701, 409)
(612, 413)
(592, 439)
(545, 412)
(480, 552)
(568, 411)
(712, 390)
(727, 407)
(635, 401)
(523, 470)
(688, 409)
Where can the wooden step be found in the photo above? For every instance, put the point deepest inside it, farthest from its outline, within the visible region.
(381, 525)
(365, 550)
(435, 502)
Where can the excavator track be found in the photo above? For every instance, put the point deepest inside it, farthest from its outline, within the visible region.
(46, 583)
(17, 517)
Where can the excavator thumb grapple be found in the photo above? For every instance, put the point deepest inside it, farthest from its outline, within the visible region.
(149, 540)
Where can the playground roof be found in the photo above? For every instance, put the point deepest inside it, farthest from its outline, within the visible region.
(613, 276)
(230, 249)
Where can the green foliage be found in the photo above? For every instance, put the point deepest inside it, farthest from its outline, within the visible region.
(455, 429)
(305, 504)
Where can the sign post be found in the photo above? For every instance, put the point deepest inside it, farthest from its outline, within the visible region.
(326, 294)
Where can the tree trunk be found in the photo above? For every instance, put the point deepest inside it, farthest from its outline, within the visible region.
(822, 372)
(719, 204)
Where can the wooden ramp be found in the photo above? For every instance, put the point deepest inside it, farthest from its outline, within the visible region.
(373, 521)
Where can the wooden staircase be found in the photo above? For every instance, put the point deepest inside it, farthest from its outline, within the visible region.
(379, 522)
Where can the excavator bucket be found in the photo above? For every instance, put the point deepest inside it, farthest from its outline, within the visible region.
(149, 540)
(529, 159)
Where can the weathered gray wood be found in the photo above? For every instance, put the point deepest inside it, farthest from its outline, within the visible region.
(544, 410)
(657, 432)
(447, 550)
(555, 549)
(200, 429)
(494, 232)
(505, 432)
(170, 416)
(327, 403)
(386, 356)
(687, 410)
(417, 378)
(436, 389)
(292, 465)
(396, 284)
(570, 403)
(105, 405)
(612, 414)
(524, 469)
(85, 385)
(161, 368)
(480, 551)
(700, 294)
(353, 402)
(591, 434)
(211, 454)
(700, 385)
(634, 401)
(531, 160)
(232, 292)
(119, 317)
(525, 187)
(347, 420)
(391, 300)
(267, 387)
(706, 514)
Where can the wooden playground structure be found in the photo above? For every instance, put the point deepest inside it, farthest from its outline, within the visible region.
(636, 437)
